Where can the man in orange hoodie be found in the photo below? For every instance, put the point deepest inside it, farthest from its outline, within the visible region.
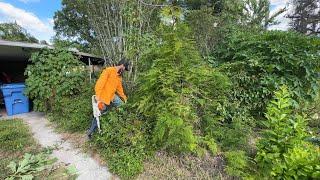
(109, 90)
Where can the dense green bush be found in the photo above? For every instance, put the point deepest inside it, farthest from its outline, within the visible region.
(123, 141)
(312, 109)
(282, 151)
(74, 113)
(237, 163)
(57, 84)
(231, 136)
(260, 62)
(51, 74)
(177, 91)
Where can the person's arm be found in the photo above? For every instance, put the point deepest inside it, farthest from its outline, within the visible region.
(120, 92)
(101, 83)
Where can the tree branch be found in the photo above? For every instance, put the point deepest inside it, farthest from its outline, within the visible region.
(154, 5)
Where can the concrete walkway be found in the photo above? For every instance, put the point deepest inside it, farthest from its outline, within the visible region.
(87, 167)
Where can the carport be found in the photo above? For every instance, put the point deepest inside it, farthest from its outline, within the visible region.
(14, 58)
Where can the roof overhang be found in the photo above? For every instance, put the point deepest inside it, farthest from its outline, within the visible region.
(21, 51)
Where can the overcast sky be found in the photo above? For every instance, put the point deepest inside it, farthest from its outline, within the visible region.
(36, 16)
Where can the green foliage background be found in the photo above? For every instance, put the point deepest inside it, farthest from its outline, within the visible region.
(53, 73)
(14, 32)
(58, 84)
(172, 88)
(73, 113)
(282, 150)
(259, 62)
(123, 141)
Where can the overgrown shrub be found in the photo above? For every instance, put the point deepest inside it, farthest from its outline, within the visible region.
(177, 91)
(236, 163)
(74, 113)
(210, 144)
(258, 63)
(123, 141)
(53, 73)
(282, 151)
(312, 109)
(231, 136)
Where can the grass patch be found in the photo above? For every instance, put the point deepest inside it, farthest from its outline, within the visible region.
(15, 136)
(15, 141)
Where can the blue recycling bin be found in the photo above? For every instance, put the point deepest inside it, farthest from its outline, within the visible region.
(15, 100)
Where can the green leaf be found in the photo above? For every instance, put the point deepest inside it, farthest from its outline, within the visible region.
(13, 166)
(27, 177)
(72, 170)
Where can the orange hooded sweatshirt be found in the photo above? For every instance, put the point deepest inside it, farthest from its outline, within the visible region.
(108, 84)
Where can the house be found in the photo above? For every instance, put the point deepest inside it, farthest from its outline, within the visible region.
(14, 58)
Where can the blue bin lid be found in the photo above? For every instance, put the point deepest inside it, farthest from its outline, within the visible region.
(13, 86)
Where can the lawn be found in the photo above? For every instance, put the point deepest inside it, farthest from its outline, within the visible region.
(15, 141)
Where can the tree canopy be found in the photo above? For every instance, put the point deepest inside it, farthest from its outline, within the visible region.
(14, 32)
(305, 17)
(72, 23)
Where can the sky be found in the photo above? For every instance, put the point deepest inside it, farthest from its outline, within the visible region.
(36, 16)
(275, 6)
